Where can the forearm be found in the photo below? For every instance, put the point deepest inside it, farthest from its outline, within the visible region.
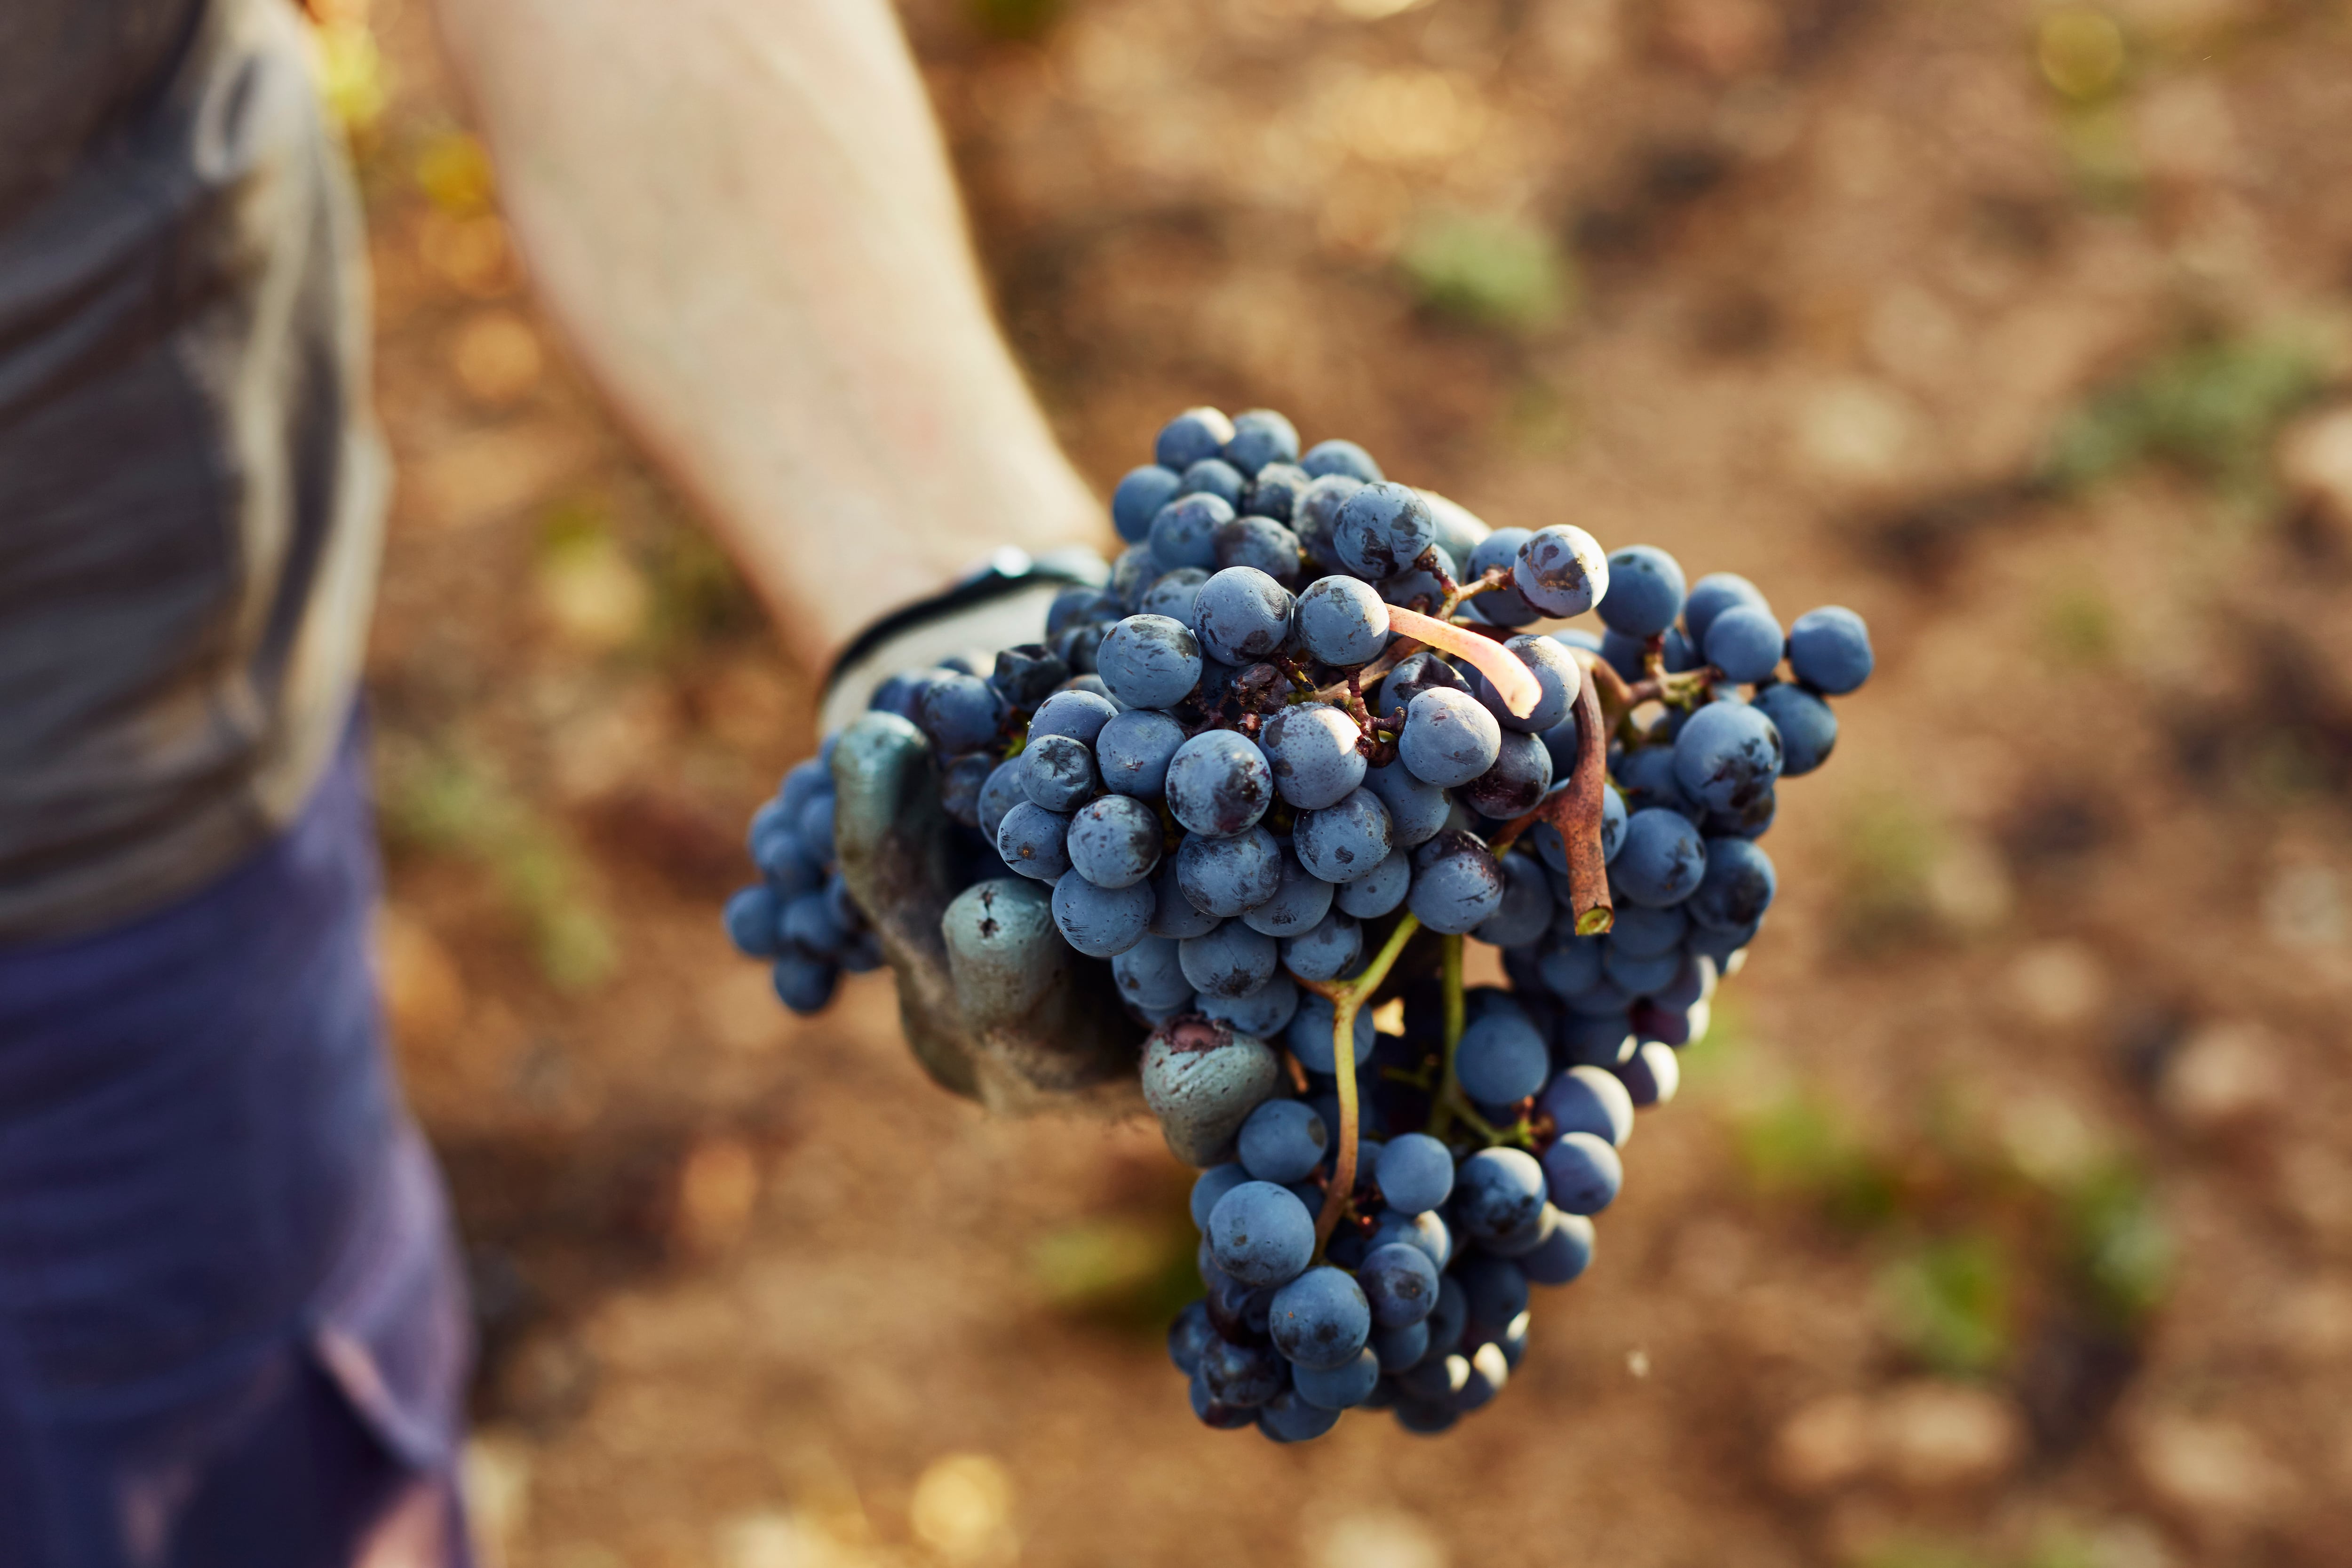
(741, 213)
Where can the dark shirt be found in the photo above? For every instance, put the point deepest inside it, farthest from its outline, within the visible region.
(190, 488)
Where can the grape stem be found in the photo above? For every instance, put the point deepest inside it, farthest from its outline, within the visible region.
(1575, 812)
(1346, 999)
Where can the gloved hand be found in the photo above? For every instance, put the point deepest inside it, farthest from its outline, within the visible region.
(995, 1005)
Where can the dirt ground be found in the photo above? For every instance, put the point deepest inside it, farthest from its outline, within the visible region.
(2006, 1217)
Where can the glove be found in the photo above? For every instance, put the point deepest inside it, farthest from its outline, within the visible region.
(995, 1005)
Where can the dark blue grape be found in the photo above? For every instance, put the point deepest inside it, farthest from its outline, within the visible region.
(1417, 585)
(1400, 1284)
(1327, 952)
(1645, 591)
(1314, 519)
(1343, 1387)
(1150, 661)
(1830, 649)
(1058, 772)
(1428, 1232)
(1737, 888)
(1648, 780)
(1417, 811)
(1572, 963)
(1076, 647)
(1314, 755)
(1290, 1417)
(1320, 1319)
(1026, 675)
(1033, 841)
(808, 924)
(1140, 494)
(1807, 726)
(1373, 896)
(1114, 842)
(1208, 1186)
(1282, 1140)
(1231, 961)
(1341, 457)
(1662, 859)
(1416, 1172)
(1297, 906)
(1514, 782)
(1503, 606)
(1563, 1254)
(1342, 621)
(1582, 1172)
(1744, 643)
(1227, 876)
(1727, 756)
(802, 783)
(1078, 714)
(1188, 1336)
(1382, 529)
(1242, 1377)
(1497, 1191)
(1721, 947)
(1131, 576)
(1448, 740)
(1214, 477)
(999, 794)
(1261, 437)
(1174, 913)
(1261, 1014)
(1588, 1040)
(1241, 615)
(1219, 783)
(1172, 594)
(1714, 594)
(1623, 654)
(1347, 841)
(1133, 751)
(1195, 434)
(1455, 883)
(1526, 912)
(1555, 671)
(1502, 1057)
(1261, 1234)
(1641, 932)
(960, 712)
(1149, 976)
(752, 922)
(1309, 1036)
(1588, 1100)
(1651, 1076)
(1493, 1288)
(1560, 571)
(1423, 672)
(804, 982)
(813, 828)
(1262, 543)
(1399, 1349)
(1100, 921)
(1275, 490)
(1071, 607)
(1490, 1369)
(1184, 533)
(1614, 817)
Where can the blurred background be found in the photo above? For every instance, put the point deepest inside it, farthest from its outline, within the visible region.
(2005, 1220)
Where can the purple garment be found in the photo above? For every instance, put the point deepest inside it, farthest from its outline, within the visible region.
(231, 1317)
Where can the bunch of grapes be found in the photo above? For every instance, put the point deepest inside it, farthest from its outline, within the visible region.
(1274, 772)
(799, 914)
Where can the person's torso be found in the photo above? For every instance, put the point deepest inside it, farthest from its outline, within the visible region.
(190, 488)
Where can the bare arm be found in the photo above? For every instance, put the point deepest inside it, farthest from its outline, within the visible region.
(741, 213)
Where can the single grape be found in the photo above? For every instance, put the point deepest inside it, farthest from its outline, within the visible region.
(1400, 1283)
(1515, 782)
(1555, 671)
(1274, 491)
(1652, 1075)
(1195, 434)
(1560, 571)
(1416, 1172)
(1623, 654)
(1058, 772)
(804, 982)
(1263, 1013)
(1242, 1376)
(1490, 1369)
(1456, 884)
(1737, 888)
(1526, 909)
(1727, 756)
(1506, 605)
(1502, 1057)
(1133, 751)
(1188, 1336)
(1723, 948)
(1184, 532)
(1496, 1191)
(1588, 1100)
(1080, 715)
(1100, 921)
(1071, 607)
(753, 916)
(1241, 615)
(1150, 661)
(1662, 859)
(1714, 594)
(1320, 1319)
(1219, 783)
(1572, 963)
(1297, 906)
(1341, 457)
(1641, 932)
(1448, 740)
(1076, 647)
(1214, 477)
(1290, 1417)
(1172, 594)
(1347, 841)
(1744, 643)
(1261, 437)
(1140, 494)
(1582, 1172)
(1283, 1140)
(1563, 1254)
(813, 828)
(808, 924)
(1227, 876)
(960, 712)
(1114, 842)
(1808, 728)
(1381, 890)
(1420, 585)
(1382, 529)
(1342, 621)
(1327, 952)
(1131, 576)
(1399, 1349)
(1421, 672)
(1315, 518)
(1314, 755)
(1174, 913)
(1024, 675)
(1830, 649)
(1150, 976)
(1493, 1289)
(1231, 961)
(1339, 1388)
(1261, 1234)
(1309, 1036)
(1645, 592)
(1648, 779)
(1033, 841)
(1208, 1186)
(1613, 819)
(1416, 810)
(1262, 543)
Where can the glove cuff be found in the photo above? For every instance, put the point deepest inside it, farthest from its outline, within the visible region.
(1000, 605)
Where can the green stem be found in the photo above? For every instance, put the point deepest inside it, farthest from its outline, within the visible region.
(1347, 1001)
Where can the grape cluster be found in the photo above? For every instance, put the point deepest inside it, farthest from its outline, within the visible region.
(1298, 746)
(799, 914)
